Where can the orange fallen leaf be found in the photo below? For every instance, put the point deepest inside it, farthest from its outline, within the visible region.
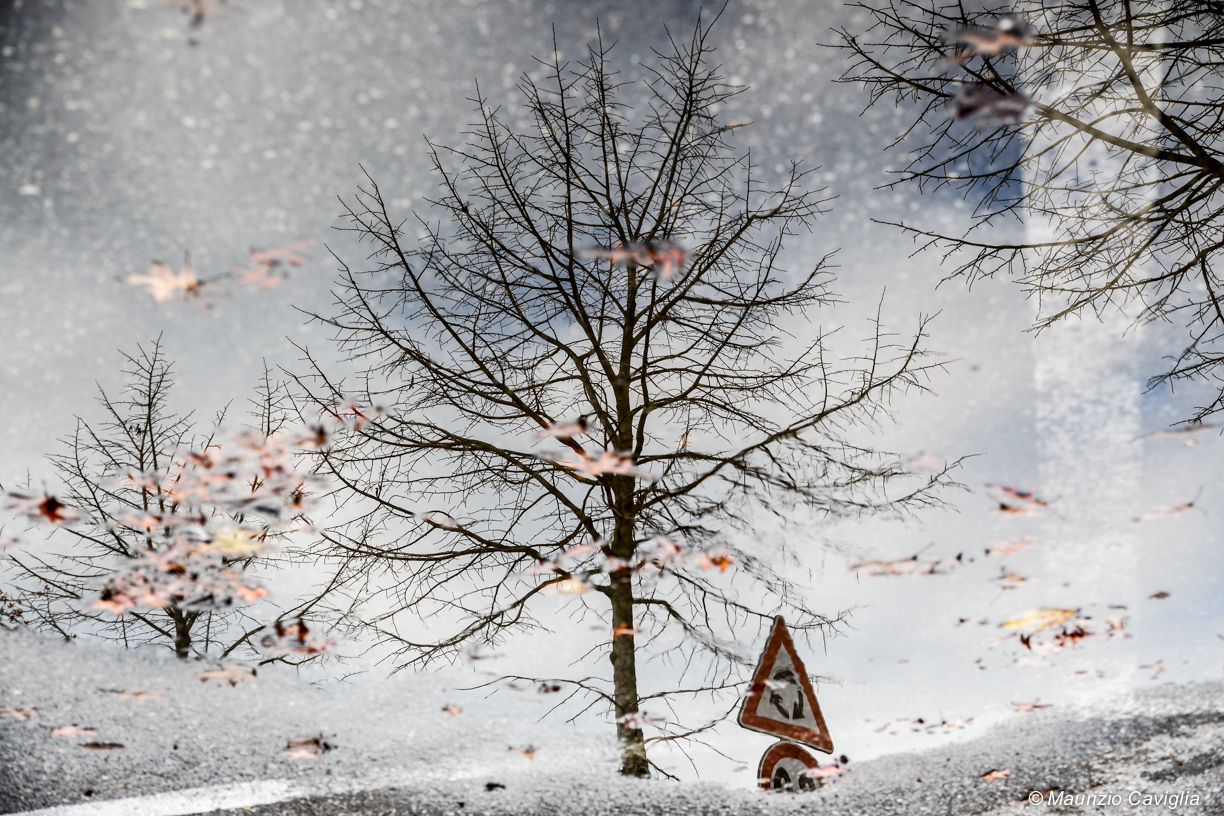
(993, 774)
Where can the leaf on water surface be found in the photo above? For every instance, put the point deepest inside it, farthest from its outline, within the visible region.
(1037, 620)
(307, 747)
(139, 696)
(228, 676)
(528, 751)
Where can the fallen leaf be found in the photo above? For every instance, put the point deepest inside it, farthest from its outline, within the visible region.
(636, 719)
(571, 586)
(927, 460)
(664, 257)
(897, 726)
(993, 774)
(101, 746)
(1160, 596)
(290, 638)
(899, 566)
(1116, 625)
(1156, 667)
(307, 747)
(592, 467)
(1013, 510)
(566, 430)
(163, 283)
(1087, 674)
(437, 518)
(721, 558)
(259, 276)
(1071, 636)
(139, 696)
(1169, 510)
(301, 753)
(1015, 497)
(452, 709)
(1010, 580)
(1179, 432)
(1037, 620)
(1010, 546)
(44, 508)
(71, 731)
(235, 542)
(289, 253)
(228, 676)
(827, 771)
(527, 751)
(1033, 706)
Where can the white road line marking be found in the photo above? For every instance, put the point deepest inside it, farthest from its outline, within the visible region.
(207, 799)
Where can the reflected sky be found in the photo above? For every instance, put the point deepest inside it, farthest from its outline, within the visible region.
(124, 143)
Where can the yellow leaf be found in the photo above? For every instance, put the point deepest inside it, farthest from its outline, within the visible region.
(1036, 620)
(234, 542)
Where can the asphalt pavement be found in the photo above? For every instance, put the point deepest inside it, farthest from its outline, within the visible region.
(187, 747)
(1171, 760)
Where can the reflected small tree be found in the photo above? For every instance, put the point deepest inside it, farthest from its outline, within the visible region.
(114, 473)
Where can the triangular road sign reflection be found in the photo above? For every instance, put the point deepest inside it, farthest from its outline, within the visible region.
(780, 700)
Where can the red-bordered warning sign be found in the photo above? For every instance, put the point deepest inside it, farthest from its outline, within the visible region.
(781, 700)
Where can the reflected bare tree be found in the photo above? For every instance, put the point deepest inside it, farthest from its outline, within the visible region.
(138, 435)
(101, 470)
(491, 326)
(1120, 153)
